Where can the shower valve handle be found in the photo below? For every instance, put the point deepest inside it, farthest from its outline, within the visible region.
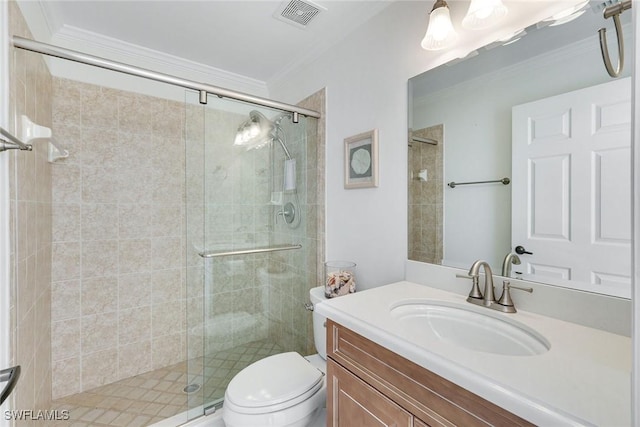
(288, 212)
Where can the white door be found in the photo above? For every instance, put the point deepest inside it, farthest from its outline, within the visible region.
(571, 201)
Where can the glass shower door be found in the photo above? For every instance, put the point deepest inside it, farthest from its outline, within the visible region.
(251, 241)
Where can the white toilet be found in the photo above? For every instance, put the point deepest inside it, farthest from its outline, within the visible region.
(284, 390)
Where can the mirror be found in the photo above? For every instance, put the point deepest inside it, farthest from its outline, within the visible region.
(514, 111)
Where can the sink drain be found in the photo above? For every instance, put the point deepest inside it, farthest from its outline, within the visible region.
(191, 388)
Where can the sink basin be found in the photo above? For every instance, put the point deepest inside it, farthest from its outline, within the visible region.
(470, 328)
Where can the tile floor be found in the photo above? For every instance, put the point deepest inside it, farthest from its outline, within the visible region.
(153, 396)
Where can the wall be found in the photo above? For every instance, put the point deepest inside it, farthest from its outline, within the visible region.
(30, 93)
(118, 293)
(366, 79)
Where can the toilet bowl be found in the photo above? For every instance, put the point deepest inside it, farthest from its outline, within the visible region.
(283, 390)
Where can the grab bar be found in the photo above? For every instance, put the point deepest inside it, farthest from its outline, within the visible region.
(249, 251)
(10, 142)
(10, 376)
(613, 11)
(505, 181)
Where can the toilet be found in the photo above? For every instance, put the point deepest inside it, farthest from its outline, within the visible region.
(283, 390)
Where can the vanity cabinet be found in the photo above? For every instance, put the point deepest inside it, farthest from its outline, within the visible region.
(369, 385)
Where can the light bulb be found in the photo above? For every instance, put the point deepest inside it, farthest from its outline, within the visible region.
(440, 33)
(484, 14)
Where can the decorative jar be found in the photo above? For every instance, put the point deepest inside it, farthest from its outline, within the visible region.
(340, 278)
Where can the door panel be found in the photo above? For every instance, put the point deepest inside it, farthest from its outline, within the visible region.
(571, 187)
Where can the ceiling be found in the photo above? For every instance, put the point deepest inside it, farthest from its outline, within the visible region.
(238, 36)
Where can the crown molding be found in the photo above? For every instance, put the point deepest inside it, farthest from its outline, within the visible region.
(118, 50)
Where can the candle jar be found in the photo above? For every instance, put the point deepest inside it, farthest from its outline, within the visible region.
(340, 278)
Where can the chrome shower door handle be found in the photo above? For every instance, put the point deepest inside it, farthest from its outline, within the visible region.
(10, 377)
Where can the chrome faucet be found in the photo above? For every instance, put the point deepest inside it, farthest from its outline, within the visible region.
(487, 298)
(511, 258)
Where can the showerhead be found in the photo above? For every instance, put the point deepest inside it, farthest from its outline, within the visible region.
(255, 132)
(258, 131)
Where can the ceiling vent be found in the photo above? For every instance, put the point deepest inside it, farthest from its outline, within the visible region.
(298, 13)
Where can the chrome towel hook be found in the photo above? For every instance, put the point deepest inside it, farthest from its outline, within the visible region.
(614, 11)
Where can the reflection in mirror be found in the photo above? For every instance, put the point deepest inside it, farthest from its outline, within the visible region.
(544, 113)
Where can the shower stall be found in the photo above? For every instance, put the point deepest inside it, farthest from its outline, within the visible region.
(251, 238)
(212, 258)
(185, 237)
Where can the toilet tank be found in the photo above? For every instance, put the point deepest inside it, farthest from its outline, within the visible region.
(319, 322)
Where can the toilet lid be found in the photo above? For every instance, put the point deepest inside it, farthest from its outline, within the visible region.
(273, 380)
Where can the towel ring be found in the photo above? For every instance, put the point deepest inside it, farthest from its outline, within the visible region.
(613, 11)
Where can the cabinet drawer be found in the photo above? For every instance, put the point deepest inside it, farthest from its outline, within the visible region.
(431, 398)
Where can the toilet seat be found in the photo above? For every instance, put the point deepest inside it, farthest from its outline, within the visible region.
(273, 384)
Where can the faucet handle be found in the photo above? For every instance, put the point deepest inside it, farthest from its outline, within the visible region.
(475, 287)
(505, 300)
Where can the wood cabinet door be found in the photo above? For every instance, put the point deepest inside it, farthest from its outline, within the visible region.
(352, 402)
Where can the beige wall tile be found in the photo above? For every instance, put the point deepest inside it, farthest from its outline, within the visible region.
(66, 377)
(134, 220)
(166, 286)
(134, 325)
(134, 290)
(66, 183)
(66, 222)
(98, 332)
(99, 258)
(134, 255)
(99, 184)
(99, 107)
(134, 359)
(65, 300)
(167, 350)
(167, 318)
(99, 368)
(66, 339)
(99, 295)
(99, 221)
(166, 253)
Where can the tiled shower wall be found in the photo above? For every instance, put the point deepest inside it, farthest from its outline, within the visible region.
(425, 221)
(286, 312)
(118, 298)
(119, 293)
(250, 297)
(30, 216)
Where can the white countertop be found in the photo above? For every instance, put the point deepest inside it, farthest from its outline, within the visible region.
(583, 380)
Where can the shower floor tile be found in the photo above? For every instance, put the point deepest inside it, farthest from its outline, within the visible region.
(153, 396)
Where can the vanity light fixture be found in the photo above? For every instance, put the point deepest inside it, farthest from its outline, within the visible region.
(440, 33)
(484, 14)
(481, 14)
